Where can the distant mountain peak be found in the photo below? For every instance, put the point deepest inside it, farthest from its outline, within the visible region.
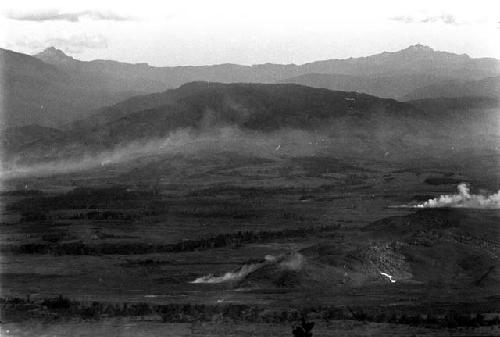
(418, 48)
(54, 55)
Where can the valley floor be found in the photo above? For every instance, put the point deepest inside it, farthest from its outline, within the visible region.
(116, 251)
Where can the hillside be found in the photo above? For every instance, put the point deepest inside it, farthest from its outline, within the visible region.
(261, 116)
(487, 87)
(35, 92)
(206, 106)
(397, 86)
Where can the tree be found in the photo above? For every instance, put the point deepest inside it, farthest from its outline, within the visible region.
(304, 330)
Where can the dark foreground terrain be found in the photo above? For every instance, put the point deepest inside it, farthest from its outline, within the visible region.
(241, 245)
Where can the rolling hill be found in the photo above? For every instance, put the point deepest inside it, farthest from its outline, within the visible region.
(346, 122)
(208, 105)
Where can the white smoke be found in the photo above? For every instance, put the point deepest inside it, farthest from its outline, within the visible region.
(231, 276)
(462, 200)
(293, 262)
(185, 141)
(289, 262)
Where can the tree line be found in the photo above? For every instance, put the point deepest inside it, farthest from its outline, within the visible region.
(233, 240)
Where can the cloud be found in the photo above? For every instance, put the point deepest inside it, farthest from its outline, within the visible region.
(447, 19)
(405, 19)
(73, 44)
(55, 15)
(444, 18)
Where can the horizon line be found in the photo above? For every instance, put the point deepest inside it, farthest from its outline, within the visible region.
(254, 64)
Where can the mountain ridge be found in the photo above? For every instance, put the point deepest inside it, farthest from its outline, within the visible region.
(412, 50)
(415, 59)
(65, 89)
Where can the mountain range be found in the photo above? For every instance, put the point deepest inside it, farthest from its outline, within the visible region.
(53, 89)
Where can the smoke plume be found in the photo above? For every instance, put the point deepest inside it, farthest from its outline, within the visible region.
(282, 143)
(287, 262)
(463, 199)
(230, 276)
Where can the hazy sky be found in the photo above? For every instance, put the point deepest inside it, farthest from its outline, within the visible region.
(188, 32)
